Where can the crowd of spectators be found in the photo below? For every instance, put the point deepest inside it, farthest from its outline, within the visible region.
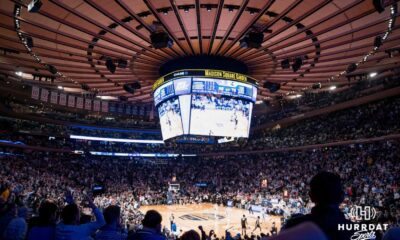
(371, 120)
(369, 173)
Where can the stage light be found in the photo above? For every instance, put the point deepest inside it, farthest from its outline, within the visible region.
(285, 64)
(19, 73)
(252, 40)
(332, 88)
(122, 63)
(34, 6)
(272, 87)
(378, 41)
(60, 87)
(161, 40)
(186, 9)
(351, 68)
(208, 7)
(29, 41)
(297, 64)
(110, 65)
(52, 69)
(316, 86)
(379, 6)
(373, 74)
(85, 87)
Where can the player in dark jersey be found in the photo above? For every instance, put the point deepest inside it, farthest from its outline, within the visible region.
(244, 225)
(257, 224)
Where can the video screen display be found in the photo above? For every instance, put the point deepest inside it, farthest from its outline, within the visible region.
(224, 87)
(220, 116)
(205, 106)
(170, 118)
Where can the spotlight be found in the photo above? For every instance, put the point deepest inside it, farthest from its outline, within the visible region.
(52, 69)
(316, 86)
(297, 64)
(373, 74)
(186, 9)
(122, 63)
(29, 41)
(272, 87)
(285, 64)
(34, 6)
(161, 40)
(85, 87)
(208, 7)
(19, 73)
(131, 87)
(60, 87)
(378, 4)
(332, 88)
(378, 41)
(351, 68)
(252, 40)
(110, 65)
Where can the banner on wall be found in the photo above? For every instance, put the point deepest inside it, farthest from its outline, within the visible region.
(104, 106)
(63, 99)
(96, 105)
(35, 92)
(79, 102)
(88, 104)
(71, 101)
(54, 97)
(44, 96)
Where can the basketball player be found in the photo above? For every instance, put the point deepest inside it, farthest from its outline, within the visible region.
(257, 225)
(172, 219)
(244, 225)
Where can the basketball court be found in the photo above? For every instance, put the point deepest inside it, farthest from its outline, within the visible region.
(212, 217)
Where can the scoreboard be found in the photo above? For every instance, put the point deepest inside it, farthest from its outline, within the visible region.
(205, 103)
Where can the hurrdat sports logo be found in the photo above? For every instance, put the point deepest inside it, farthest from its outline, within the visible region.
(363, 231)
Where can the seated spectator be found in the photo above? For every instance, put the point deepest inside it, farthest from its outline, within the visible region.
(190, 235)
(45, 227)
(16, 229)
(326, 192)
(70, 229)
(151, 227)
(112, 230)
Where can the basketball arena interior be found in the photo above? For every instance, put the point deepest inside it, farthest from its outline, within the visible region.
(199, 119)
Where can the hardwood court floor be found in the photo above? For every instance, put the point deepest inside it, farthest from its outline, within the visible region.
(211, 216)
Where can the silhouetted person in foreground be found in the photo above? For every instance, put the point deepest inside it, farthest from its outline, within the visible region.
(151, 227)
(45, 226)
(112, 229)
(190, 235)
(327, 194)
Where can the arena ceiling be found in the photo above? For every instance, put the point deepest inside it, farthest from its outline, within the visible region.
(75, 36)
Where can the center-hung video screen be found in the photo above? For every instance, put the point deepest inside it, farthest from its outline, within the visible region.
(205, 106)
(220, 116)
(170, 118)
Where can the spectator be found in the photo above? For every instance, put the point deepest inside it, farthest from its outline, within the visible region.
(327, 193)
(190, 235)
(16, 229)
(151, 227)
(70, 229)
(45, 226)
(112, 230)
